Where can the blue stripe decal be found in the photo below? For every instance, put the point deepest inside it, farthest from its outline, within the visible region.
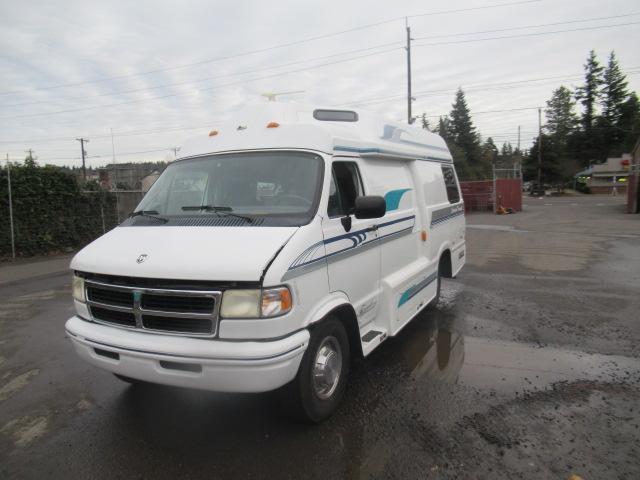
(392, 198)
(446, 218)
(391, 152)
(414, 290)
(358, 237)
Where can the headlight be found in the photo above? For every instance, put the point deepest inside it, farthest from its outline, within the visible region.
(256, 303)
(77, 289)
(240, 304)
(276, 301)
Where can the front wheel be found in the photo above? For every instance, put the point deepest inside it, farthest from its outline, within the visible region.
(322, 377)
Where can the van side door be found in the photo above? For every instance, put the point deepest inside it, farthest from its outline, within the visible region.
(352, 247)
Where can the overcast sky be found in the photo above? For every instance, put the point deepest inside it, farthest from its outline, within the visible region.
(160, 72)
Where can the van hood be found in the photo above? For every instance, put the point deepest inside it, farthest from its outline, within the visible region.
(184, 253)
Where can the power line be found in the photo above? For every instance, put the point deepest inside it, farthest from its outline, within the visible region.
(92, 107)
(479, 32)
(454, 42)
(476, 88)
(275, 47)
(296, 71)
(206, 79)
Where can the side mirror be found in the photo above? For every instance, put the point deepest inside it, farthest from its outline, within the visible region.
(370, 206)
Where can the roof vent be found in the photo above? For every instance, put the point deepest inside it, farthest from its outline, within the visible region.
(335, 115)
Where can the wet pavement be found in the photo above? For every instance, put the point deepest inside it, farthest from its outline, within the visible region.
(528, 368)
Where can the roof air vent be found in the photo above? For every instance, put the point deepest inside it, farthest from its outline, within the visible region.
(335, 115)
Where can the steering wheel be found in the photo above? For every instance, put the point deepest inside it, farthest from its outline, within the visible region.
(306, 201)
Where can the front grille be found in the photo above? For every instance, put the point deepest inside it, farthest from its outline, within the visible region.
(172, 324)
(155, 310)
(114, 316)
(177, 304)
(110, 297)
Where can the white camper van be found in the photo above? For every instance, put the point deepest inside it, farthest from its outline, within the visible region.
(281, 244)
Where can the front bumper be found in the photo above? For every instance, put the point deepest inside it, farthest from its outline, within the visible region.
(218, 365)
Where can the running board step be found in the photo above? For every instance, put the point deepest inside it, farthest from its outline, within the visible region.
(372, 339)
(370, 335)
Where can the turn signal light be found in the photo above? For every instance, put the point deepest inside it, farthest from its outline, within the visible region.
(423, 235)
(273, 125)
(213, 133)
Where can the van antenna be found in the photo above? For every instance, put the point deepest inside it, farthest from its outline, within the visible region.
(272, 96)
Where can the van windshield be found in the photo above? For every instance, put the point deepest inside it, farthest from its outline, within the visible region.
(261, 188)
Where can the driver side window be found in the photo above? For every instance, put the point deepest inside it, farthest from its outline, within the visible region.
(346, 185)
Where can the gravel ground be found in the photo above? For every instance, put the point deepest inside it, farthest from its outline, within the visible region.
(528, 368)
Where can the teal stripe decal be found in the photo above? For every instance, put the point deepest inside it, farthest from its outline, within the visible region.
(413, 291)
(393, 197)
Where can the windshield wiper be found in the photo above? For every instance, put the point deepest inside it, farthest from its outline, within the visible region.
(148, 214)
(217, 210)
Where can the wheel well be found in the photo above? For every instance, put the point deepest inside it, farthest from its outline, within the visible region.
(347, 315)
(445, 266)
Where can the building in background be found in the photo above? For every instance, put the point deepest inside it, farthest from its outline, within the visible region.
(149, 180)
(130, 176)
(610, 177)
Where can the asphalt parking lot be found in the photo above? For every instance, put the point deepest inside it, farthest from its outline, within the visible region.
(528, 368)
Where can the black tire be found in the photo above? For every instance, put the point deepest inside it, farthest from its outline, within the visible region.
(132, 381)
(301, 400)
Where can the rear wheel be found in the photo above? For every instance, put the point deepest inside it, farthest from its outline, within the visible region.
(322, 377)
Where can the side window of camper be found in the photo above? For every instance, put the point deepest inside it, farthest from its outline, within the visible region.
(346, 185)
(450, 182)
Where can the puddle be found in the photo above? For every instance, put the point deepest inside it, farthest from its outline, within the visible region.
(511, 366)
(430, 352)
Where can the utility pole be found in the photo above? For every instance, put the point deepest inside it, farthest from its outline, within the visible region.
(516, 163)
(30, 152)
(13, 242)
(539, 148)
(84, 153)
(408, 49)
(175, 151)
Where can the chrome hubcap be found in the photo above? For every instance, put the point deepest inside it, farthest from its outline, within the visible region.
(327, 367)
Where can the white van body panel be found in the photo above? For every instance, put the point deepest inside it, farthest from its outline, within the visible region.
(189, 253)
(378, 274)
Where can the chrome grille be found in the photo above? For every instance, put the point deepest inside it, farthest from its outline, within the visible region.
(154, 310)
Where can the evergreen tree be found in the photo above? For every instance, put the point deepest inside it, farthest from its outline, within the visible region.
(590, 92)
(464, 135)
(489, 152)
(614, 95)
(561, 118)
(425, 122)
(614, 91)
(444, 129)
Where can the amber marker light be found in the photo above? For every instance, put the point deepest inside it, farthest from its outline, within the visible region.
(423, 235)
(213, 133)
(273, 125)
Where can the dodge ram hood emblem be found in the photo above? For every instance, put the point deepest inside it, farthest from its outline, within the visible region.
(142, 258)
